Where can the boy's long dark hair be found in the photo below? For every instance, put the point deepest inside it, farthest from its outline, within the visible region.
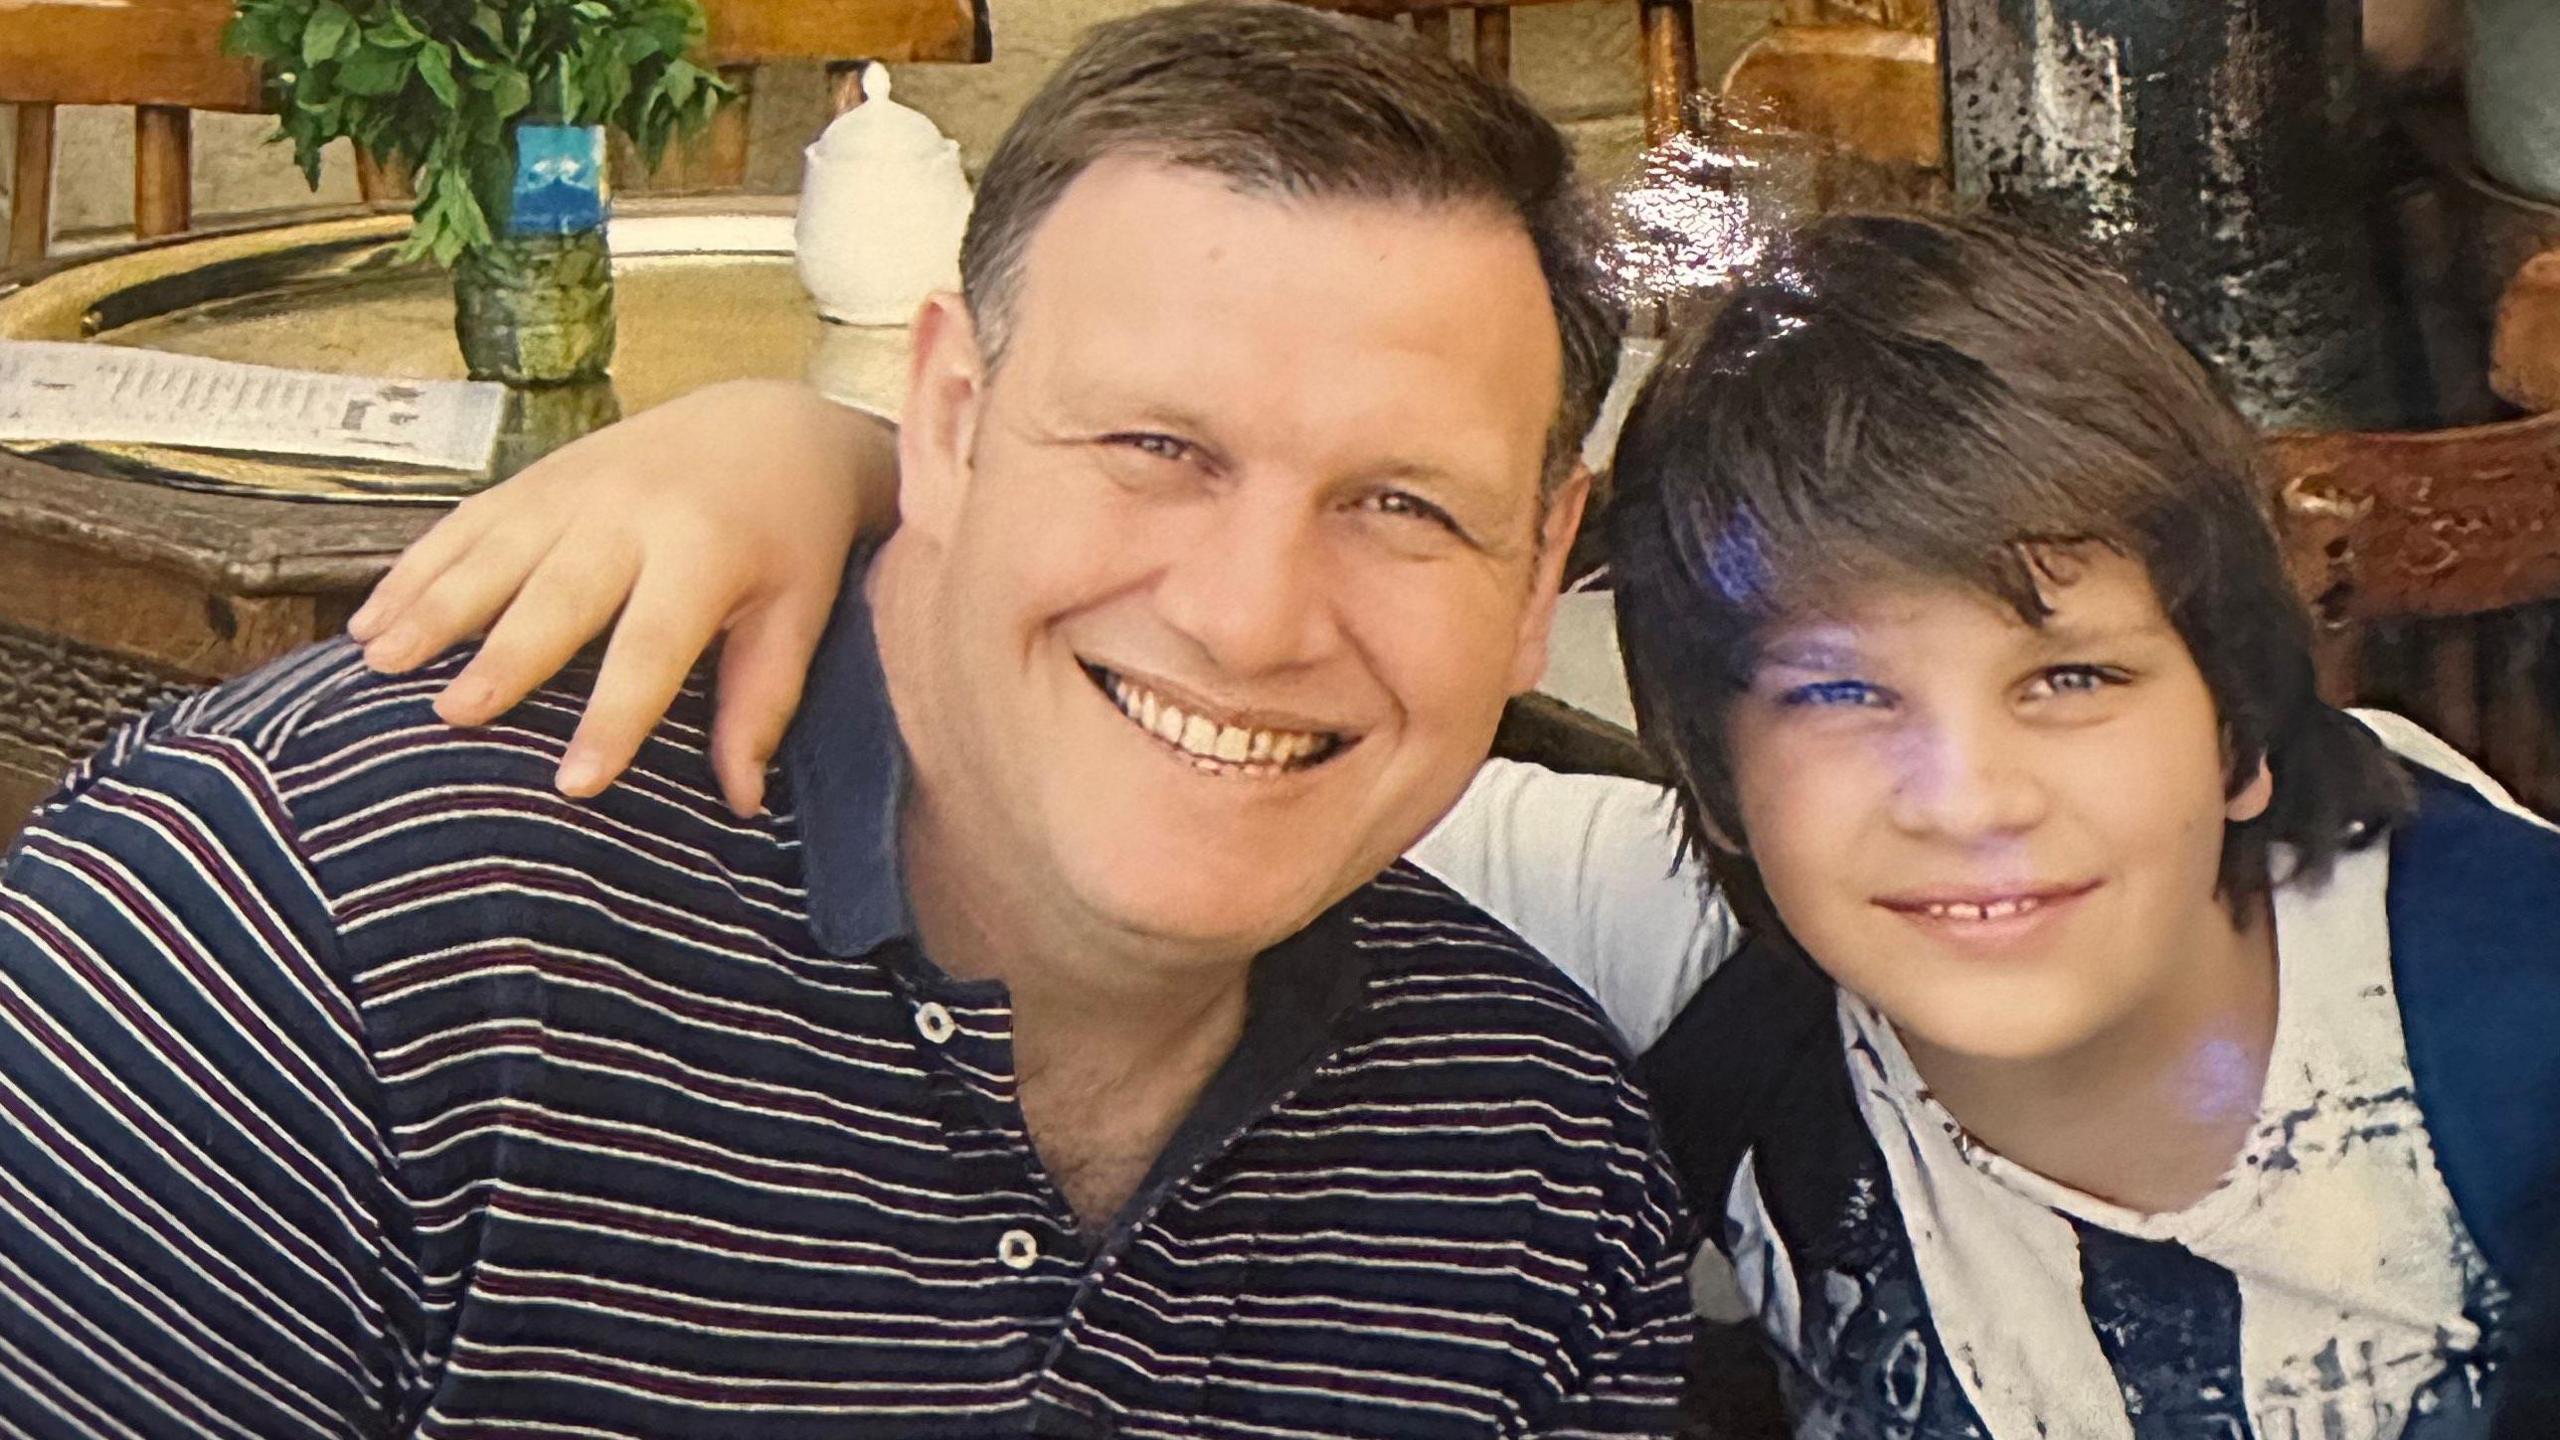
(1945, 400)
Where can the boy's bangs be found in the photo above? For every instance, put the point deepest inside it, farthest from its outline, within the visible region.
(1767, 542)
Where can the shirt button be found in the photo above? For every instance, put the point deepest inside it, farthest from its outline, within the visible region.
(933, 1022)
(1018, 1250)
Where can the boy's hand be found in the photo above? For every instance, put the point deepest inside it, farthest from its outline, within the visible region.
(732, 507)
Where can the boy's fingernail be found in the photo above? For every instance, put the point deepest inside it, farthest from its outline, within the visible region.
(579, 777)
(360, 625)
(387, 651)
(464, 702)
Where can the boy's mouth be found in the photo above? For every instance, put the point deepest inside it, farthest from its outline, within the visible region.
(1980, 907)
(1212, 743)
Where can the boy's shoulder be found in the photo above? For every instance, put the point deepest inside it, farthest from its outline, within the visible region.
(2473, 901)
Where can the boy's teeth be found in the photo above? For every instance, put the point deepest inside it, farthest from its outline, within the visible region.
(1996, 910)
(1211, 744)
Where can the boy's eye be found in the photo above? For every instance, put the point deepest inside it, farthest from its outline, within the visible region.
(1834, 694)
(2076, 679)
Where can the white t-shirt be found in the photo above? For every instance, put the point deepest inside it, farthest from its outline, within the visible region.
(2356, 1289)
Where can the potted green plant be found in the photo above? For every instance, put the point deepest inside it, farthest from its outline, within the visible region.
(499, 110)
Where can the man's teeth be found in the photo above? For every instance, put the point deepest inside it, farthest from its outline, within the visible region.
(1996, 910)
(1199, 736)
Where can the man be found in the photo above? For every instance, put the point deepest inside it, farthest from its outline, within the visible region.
(1066, 1052)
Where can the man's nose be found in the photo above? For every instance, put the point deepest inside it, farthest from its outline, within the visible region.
(1967, 777)
(1250, 586)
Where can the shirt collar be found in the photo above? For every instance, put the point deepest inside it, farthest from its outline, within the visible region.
(846, 768)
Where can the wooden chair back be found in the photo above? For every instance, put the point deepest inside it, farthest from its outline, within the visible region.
(2431, 560)
(745, 34)
(165, 59)
(162, 57)
(1670, 46)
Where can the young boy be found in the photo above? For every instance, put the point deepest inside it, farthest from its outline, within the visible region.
(2173, 1058)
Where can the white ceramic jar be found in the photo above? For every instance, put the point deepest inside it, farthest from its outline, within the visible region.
(883, 202)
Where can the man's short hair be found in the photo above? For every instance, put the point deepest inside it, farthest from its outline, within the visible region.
(1282, 100)
(1955, 400)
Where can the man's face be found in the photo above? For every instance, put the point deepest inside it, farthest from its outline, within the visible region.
(2005, 836)
(1239, 550)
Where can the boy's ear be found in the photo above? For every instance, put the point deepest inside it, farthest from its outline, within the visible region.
(937, 431)
(1555, 539)
(2251, 799)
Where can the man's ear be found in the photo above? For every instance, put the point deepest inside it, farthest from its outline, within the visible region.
(937, 431)
(1555, 539)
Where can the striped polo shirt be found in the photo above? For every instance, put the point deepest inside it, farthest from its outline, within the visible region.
(353, 1082)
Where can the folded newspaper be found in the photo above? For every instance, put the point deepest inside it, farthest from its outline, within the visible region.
(65, 391)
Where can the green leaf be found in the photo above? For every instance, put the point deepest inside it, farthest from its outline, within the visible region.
(435, 65)
(511, 95)
(487, 20)
(329, 25)
(679, 81)
(372, 71)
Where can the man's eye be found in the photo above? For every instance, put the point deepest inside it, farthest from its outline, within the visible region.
(1834, 694)
(1411, 506)
(1162, 447)
(2077, 679)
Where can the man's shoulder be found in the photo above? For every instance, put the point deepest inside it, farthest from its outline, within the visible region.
(1460, 1014)
(335, 738)
(1435, 959)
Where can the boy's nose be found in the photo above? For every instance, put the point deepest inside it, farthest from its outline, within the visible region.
(1966, 779)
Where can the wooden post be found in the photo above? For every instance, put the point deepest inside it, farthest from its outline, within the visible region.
(2453, 680)
(1493, 42)
(384, 187)
(31, 209)
(1433, 26)
(844, 85)
(1670, 69)
(724, 149)
(163, 137)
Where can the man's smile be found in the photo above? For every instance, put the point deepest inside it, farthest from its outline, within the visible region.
(1214, 743)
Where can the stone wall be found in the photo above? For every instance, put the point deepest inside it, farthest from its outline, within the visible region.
(1579, 61)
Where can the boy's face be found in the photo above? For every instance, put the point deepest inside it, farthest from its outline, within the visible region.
(2005, 836)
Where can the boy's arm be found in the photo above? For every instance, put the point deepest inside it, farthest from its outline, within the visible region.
(200, 1228)
(1587, 869)
(730, 508)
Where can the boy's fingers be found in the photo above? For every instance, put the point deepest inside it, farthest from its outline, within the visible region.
(662, 632)
(456, 603)
(427, 557)
(763, 665)
(567, 601)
